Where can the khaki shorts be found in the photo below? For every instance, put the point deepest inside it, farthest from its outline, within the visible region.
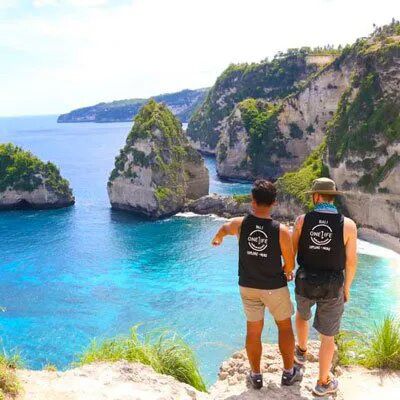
(276, 300)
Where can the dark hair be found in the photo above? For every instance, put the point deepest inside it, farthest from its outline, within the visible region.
(264, 192)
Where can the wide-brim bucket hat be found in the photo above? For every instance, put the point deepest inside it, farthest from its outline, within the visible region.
(324, 186)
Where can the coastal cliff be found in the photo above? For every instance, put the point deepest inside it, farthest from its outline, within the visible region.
(182, 104)
(269, 80)
(363, 148)
(157, 171)
(264, 139)
(26, 182)
(343, 122)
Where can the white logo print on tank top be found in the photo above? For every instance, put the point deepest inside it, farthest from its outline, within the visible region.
(321, 235)
(258, 242)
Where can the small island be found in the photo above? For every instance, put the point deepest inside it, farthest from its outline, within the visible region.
(26, 182)
(157, 171)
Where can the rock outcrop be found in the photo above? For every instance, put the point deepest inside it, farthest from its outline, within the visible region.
(223, 206)
(157, 171)
(132, 381)
(266, 80)
(106, 381)
(26, 182)
(182, 104)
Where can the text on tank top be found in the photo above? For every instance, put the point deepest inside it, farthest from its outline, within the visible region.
(321, 244)
(260, 264)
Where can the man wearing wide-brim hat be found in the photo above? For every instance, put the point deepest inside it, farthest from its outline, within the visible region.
(326, 245)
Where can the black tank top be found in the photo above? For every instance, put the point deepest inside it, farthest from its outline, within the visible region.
(260, 264)
(321, 244)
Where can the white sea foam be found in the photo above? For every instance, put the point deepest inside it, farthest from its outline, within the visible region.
(190, 214)
(377, 251)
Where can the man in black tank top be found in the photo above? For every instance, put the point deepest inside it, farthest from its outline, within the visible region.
(263, 279)
(326, 246)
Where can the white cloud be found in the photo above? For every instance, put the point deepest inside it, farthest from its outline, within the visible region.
(5, 4)
(153, 46)
(75, 3)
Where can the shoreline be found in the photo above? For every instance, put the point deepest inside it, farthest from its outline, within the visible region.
(381, 239)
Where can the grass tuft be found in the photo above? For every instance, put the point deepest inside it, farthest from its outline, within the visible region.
(167, 353)
(384, 348)
(9, 385)
(379, 350)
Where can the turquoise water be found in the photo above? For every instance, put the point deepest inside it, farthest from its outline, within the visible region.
(67, 276)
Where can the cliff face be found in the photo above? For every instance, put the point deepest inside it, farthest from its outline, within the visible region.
(157, 171)
(266, 80)
(363, 153)
(28, 183)
(261, 139)
(182, 104)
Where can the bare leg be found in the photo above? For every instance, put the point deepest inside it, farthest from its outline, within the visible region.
(302, 332)
(253, 344)
(326, 352)
(286, 342)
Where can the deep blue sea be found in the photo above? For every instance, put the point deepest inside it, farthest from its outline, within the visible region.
(67, 276)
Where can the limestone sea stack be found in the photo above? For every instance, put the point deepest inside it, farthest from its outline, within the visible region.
(26, 182)
(157, 171)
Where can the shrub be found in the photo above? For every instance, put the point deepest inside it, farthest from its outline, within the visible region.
(297, 183)
(261, 122)
(166, 353)
(242, 198)
(9, 385)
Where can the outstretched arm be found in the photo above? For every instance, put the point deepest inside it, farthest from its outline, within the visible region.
(285, 241)
(350, 230)
(231, 227)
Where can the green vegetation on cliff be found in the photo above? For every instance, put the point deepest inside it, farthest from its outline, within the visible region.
(242, 198)
(367, 120)
(166, 353)
(261, 123)
(266, 80)
(154, 116)
(296, 183)
(21, 170)
(368, 116)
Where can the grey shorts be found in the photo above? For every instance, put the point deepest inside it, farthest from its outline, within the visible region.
(328, 314)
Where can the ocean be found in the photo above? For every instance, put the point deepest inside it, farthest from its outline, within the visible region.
(68, 276)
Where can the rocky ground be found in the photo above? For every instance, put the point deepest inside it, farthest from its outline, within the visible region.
(124, 381)
(102, 381)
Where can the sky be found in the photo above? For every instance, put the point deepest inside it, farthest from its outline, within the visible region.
(57, 55)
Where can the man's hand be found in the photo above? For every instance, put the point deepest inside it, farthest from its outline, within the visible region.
(346, 293)
(289, 276)
(289, 273)
(217, 240)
